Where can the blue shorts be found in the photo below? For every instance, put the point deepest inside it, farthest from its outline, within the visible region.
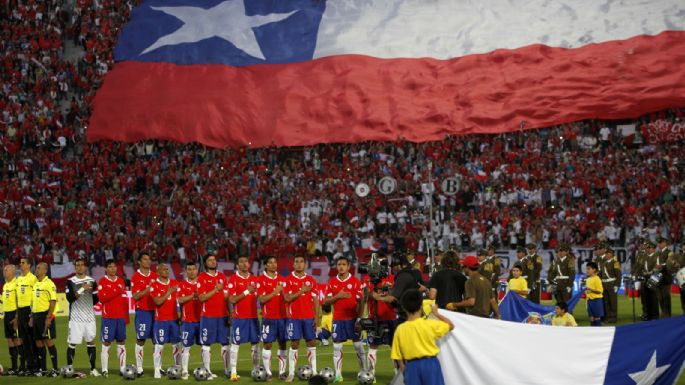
(166, 332)
(113, 329)
(387, 338)
(190, 333)
(145, 321)
(424, 371)
(595, 307)
(344, 330)
(244, 330)
(273, 330)
(301, 329)
(214, 330)
(324, 335)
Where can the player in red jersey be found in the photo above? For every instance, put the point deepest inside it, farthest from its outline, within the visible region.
(242, 294)
(191, 308)
(163, 292)
(386, 316)
(270, 291)
(304, 316)
(213, 292)
(344, 292)
(114, 299)
(145, 307)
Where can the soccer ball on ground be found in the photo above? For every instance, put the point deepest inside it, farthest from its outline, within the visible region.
(129, 372)
(259, 373)
(67, 371)
(365, 377)
(201, 374)
(305, 372)
(328, 374)
(174, 372)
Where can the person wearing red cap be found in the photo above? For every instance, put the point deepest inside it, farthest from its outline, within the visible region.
(479, 299)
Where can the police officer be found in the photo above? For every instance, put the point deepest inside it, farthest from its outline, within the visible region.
(663, 291)
(532, 267)
(638, 275)
(562, 272)
(609, 270)
(644, 267)
(675, 262)
(490, 268)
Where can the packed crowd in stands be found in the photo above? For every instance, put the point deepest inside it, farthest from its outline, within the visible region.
(61, 197)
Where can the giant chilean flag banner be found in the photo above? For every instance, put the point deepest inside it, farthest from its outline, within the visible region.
(301, 72)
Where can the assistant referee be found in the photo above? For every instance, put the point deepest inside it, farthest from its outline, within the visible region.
(42, 319)
(9, 307)
(24, 292)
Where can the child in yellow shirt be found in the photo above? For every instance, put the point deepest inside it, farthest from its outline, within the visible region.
(562, 317)
(518, 284)
(593, 291)
(414, 346)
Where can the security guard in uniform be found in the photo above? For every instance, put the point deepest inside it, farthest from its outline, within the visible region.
(675, 262)
(609, 270)
(663, 291)
(638, 276)
(490, 268)
(562, 272)
(644, 267)
(42, 319)
(532, 267)
(9, 307)
(25, 284)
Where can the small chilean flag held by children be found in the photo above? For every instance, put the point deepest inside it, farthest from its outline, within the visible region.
(301, 72)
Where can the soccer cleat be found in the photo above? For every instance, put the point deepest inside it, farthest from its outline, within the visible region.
(269, 377)
(235, 377)
(52, 373)
(212, 376)
(184, 375)
(139, 373)
(38, 373)
(95, 373)
(105, 374)
(290, 378)
(12, 372)
(282, 376)
(338, 378)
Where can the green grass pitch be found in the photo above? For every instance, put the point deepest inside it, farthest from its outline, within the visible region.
(384, 371)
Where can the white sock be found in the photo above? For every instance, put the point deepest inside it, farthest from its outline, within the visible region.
(185, 357)
(255, 355)
(266, 359)
(311, 357)
(226, 359)
(371, 359)
(104, 358)
(282, 361)
(361, 356)
(234, 358)
(178, 348)
(121, 353)
(157, 357)
(206, 357)
(140, 353)
(292, 361)
(337, 357)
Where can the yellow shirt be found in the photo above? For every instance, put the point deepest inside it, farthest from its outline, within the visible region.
(594, 283)
(327, 321)
(44, 292)
(416, 339)
(565, 320)
(9, 296)
(25, 289)
(519, 283)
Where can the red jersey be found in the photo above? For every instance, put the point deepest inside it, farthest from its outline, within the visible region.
(113, 297)
(216, 305)
(138, 283)
(346, 308)
(167, 311)
(246, 307)
(275, 307)
(386, 312)
(191, 310)
(301, 307)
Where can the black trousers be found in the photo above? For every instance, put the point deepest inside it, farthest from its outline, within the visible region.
(26, 335)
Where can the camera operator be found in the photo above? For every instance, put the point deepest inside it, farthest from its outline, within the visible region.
(447, 285)
(382, 313)
(405, 279)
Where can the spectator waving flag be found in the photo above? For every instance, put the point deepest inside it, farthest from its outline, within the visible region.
(486, 351)
(300, 72)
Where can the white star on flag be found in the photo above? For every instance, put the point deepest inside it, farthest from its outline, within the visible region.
(227, 20)
(650, 374)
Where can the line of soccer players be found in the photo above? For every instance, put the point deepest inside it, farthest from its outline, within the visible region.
(220, 310)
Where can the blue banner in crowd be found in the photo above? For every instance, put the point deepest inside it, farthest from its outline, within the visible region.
(517, 309)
